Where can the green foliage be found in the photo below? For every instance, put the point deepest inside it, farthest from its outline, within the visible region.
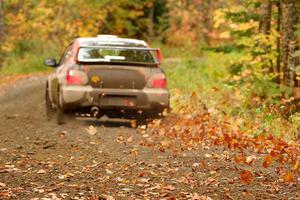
(29, 24)
(229, 90)
(254, 73)
(32, 60)
(225, 48)
(198, 75)
(242, 16)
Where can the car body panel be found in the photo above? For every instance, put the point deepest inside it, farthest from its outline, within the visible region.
(117, 76)
(145, 99)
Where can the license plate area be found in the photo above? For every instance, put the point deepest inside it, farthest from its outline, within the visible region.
(117, 100)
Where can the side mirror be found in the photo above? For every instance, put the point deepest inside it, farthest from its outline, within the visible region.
(51, 62)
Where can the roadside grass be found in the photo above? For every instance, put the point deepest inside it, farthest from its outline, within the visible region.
(173, 52)
(26, 64)
(28, 58)
(197, 74)
(202, 75)
(207, 77)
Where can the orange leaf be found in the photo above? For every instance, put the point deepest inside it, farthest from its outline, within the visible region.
(268, 161)
(240, 159)
(203, 163)
(246, 176)
(142, 174)
(296, 166)
(288, 177)
(250, 159)
(233, 144)
(274, 153)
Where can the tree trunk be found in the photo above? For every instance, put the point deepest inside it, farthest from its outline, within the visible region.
(265, 17)
(151, 22)
(2, 33)
(289, 22)
(19, 6)
(1, 21)
(279, 56)
(208, 11)
(264, 28)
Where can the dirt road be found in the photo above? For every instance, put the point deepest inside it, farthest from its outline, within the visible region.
(86, 159)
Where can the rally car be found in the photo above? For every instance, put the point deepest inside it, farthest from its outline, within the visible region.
(107, 75)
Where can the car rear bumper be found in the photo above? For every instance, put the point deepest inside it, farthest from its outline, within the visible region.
(86, 96)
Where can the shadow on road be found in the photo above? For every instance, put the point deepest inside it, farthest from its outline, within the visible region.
(109, 123)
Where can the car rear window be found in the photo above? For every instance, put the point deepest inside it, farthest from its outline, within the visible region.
(117, 55)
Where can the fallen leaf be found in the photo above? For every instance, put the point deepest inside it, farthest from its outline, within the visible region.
(143, 127)
(133, 123)
(240, 159)
(91, 130)
(130, 139)
(246, 176)
(66, 175)
(208, 155)
(5, 194)
(38, 190)
(41, 171)
(212, 173)
(209, 181)
(202, 197)
(267, 161)
(203, 163)
(288, 177)
(296, 165)
(144, 180)
(250, 159)
(134, 152)
(120, 139)
(142, 174)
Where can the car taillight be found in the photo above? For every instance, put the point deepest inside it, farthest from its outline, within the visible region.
(157, 81)
(76, 77)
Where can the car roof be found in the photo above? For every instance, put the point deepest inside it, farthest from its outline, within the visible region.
(110, 40)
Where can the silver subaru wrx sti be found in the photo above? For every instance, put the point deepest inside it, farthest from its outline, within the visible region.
(107, 75)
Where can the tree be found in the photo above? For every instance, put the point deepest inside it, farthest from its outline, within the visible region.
(1, 30)
(265, 17)
(288, 41)
(278, 29)
(1, 21)
(265, 26)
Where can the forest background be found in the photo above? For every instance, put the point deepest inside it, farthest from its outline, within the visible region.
(240, 58)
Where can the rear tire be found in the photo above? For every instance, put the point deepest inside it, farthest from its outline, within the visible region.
(59, 116)
(49, 109)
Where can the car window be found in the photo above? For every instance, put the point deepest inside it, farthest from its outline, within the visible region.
(65, 56)
(119, 55)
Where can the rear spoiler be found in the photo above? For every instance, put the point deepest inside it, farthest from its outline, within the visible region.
(157, 50)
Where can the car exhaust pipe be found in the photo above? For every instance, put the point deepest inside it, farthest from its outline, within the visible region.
(95, 112)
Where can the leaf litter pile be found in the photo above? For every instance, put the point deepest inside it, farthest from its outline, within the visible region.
(262, 160)
(190, 154)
